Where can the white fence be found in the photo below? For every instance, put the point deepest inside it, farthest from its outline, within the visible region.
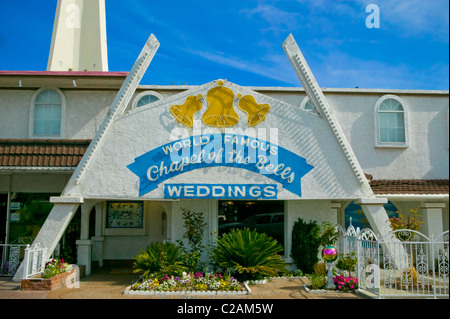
(34, 260)
(420, 269)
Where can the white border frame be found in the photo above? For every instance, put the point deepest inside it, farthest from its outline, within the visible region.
(125, 231)
(379, 144)
(63, 114)
(145, 93)
(303, 104)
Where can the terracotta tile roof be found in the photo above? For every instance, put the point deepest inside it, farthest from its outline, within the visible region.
(410, 186)
(41, 153)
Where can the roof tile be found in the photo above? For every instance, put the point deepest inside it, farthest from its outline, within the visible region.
(42, 153)
(410, 186)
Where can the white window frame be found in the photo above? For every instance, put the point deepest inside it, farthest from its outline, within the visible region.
(303, 105)
(145, 93)
(380, 144)
(63, 114)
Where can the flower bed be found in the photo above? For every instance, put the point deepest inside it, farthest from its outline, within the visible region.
(342, 284)
(198, 283)
(54, 277)
(346, 284)
(39, 283)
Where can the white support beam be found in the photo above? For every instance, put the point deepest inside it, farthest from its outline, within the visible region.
(318, 99)
(118, 106)
(52, 230)
(66, 205)
(372, 206)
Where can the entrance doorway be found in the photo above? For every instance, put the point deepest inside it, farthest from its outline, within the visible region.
(262, 216)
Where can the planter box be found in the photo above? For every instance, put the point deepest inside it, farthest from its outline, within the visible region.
(247, 291)
(38, 283)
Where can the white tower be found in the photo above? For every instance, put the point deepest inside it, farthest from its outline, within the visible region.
(79, 37)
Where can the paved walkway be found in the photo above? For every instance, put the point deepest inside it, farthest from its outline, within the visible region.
(111, 283)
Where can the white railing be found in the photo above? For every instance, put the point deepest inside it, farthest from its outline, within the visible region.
(34, 260)
(423, 271)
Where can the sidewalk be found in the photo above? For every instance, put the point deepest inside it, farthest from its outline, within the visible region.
(111, 283)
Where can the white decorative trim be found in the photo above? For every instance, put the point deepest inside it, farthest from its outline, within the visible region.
(145, 93)
(119, 104)
(371, 201)
(379, 144)
(317, 98)
(63, 114)
(408, 197)
(129, 291)
(67, 200)
(303, 105)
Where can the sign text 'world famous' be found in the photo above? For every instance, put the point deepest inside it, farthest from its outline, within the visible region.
(227, 150)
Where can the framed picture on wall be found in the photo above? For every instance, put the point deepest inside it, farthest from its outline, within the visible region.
(127, 214)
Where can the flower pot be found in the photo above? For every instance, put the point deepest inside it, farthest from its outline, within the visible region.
(38, 283)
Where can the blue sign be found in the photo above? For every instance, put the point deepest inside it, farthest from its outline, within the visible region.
(228, 150)
(219, 191)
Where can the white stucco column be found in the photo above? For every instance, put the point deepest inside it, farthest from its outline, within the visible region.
(335, 211)
(84, 252)
(84, 244)
(432, 218)
(98, 239)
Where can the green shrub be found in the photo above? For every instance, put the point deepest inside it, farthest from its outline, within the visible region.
(318, 281)
(159, 259)
(248, 254)
(347, 262)
(306, 240)
(320, 268)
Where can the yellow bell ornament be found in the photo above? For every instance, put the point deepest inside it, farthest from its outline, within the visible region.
(184, 113)
(256, 112)
(220, 112)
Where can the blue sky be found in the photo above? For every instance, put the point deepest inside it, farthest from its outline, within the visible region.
(242, 40)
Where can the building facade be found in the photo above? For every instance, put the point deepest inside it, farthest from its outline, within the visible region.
(97, 160)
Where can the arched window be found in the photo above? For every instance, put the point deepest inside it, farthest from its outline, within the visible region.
(146, 98)
(308, 106)
(47, 109)
(391, 119)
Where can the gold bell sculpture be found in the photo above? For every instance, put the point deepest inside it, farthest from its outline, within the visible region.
(185, 113)
(256, 112)
(220, 112)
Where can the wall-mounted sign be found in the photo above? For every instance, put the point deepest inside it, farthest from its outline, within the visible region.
(124, 215)
(218, 191)
(15, 205)
(228, 150)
